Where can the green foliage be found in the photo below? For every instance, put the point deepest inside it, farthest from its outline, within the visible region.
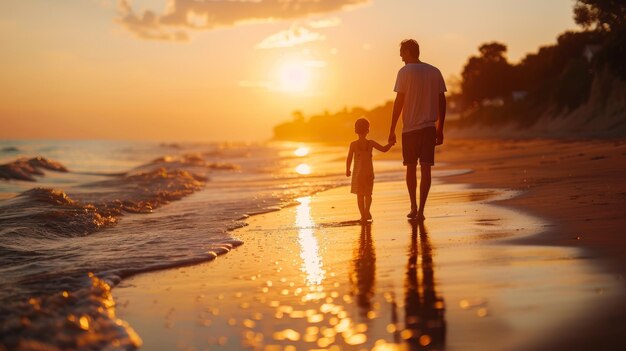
(556, 77)
(519, 113)
(602, 15)
(573, 84)
(607, 17)
(556, 68)
(487, 76)
(613, 53)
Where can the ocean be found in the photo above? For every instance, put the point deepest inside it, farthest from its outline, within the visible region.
(77, 217)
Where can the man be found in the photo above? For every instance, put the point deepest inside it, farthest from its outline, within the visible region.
(421, 100)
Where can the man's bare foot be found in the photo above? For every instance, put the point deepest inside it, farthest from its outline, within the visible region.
(412, 214)
(369, 216)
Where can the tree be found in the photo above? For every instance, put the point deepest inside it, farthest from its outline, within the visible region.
(607, 17)
(604, 15)
(297, 116)
(487, 76)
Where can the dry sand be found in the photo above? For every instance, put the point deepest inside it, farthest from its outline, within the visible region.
(307, 278)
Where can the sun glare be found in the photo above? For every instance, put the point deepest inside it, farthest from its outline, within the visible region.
(294, 77)
(303, 169)
(301, 151)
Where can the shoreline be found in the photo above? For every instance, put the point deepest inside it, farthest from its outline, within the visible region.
(171, 276)
(586, 169)
(530, 176)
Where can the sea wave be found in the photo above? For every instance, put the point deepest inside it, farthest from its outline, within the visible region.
(193, 160)
(25, 169)
(87, 321)
(10, 149)
(107, 224)
(48, 213)
(142, 192)
(45, 212)
(49, 302)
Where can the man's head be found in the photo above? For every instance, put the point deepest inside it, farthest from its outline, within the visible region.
(409, 50)
(362, 126)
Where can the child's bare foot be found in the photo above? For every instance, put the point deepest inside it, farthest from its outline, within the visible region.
(420, 216)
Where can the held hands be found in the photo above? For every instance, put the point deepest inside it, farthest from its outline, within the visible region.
(390, 142)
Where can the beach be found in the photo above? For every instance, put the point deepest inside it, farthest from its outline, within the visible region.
(577, 184)
(255, 246)
(182, 175)
(507, 259)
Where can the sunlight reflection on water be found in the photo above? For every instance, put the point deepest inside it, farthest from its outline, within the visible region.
(303, 169)
(309, 248)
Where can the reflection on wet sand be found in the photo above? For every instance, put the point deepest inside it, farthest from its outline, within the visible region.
(309, 248)
(425, 325)
(363, 270)
(307, 279)
(424, 309)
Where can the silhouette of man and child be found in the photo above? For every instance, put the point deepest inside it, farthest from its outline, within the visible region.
(420, 97)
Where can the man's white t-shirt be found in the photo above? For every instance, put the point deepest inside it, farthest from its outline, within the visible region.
(421, 84)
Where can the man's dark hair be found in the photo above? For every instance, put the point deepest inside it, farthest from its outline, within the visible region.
(411, 46)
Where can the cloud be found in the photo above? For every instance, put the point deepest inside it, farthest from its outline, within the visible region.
(181, 15)
(290, 37)
(148, 25)
(325, 23)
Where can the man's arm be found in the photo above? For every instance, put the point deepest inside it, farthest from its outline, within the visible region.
(441, 119)
(397, 109)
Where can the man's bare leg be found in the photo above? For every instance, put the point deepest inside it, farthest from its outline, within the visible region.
(411, 185)
(424, 189)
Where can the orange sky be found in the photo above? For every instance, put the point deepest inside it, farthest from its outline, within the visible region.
(224, 70)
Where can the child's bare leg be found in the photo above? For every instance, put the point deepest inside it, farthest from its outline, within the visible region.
(361, 202)
(368, 204)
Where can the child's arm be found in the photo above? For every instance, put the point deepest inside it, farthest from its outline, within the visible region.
(379, 147)
(349, 160)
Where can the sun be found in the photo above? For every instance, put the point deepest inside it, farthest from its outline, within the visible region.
(301, 151)
(294, 77)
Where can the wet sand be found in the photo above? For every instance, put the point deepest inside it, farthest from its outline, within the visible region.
(309, 278)
(580, 186)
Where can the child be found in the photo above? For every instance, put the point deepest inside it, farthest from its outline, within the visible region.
(363, 172)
